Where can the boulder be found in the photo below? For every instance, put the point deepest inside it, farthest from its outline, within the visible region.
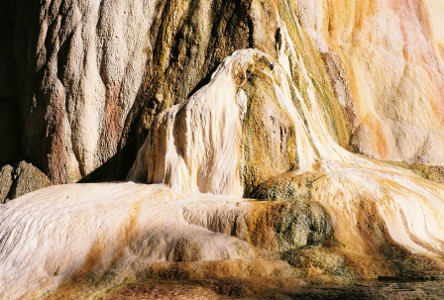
(20, 180)
(27, 178)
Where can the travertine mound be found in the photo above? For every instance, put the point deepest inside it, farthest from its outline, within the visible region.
(223, 100)
(360, 218)
(373, 205)
(69, 235)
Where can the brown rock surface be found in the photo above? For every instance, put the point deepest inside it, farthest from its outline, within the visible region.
(22, 179)
(5, 182)
(27, 178)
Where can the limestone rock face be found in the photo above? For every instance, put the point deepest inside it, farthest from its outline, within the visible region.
(85, 70)
(386, 61)
(79, 65)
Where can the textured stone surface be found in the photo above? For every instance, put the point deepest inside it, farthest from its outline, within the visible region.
(287, 186)
(19, 180)
(87, 69)
(386, 60)
(27, 178)
(71, 234)
(80, 65)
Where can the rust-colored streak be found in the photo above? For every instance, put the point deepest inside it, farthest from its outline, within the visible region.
(57, 156)
(113, 127)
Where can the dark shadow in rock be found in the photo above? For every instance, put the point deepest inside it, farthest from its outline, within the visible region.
(9, 132)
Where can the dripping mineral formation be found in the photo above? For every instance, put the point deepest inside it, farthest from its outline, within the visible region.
(293, 139)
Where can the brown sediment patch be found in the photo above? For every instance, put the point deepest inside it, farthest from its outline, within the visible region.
(261, 223)
(232, 278)
(162, 289)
